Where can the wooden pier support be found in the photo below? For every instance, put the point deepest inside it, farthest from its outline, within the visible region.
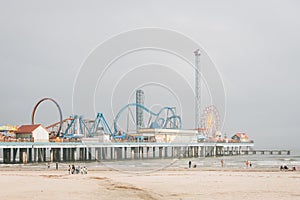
(56, 152)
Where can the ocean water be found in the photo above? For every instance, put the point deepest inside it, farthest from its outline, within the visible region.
(236, 162)
(258, 161)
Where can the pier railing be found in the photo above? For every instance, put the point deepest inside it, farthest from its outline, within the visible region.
(9, 139)
(265, 151)
(72, 140)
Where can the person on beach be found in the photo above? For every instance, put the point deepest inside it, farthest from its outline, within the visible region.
(222, 163)
(190, 164)
(84, 170)
(294, 168)
(73, 169)
(247, 163)
(250, 163)
(69, 170)
(78, 169)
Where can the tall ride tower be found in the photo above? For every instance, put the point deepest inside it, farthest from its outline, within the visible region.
(139, 98)
(197, 89)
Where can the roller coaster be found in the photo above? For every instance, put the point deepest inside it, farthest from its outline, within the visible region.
(165, 118)
(78, 127)
(127, 123)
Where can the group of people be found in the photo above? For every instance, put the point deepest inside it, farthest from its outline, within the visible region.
(190, 165)
(248, 163)
(78, 170)
(285, 168)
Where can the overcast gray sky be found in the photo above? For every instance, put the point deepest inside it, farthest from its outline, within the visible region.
(255, 45)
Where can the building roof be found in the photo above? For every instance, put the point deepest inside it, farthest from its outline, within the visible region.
(28, 128)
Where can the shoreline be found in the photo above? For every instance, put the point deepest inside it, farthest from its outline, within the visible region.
(63, 167)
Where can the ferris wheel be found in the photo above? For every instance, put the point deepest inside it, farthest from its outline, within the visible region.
(210, 121)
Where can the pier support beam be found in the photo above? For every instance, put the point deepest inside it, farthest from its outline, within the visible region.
(16, 155)
(1, 156)
(23, 155)
(160, 149)
(136, 152)
(70, 152)
(132, 152)
(6, 155)
(141, 150)
(118, 153)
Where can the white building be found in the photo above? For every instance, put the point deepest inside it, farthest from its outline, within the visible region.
(169, 135)
(37, 133)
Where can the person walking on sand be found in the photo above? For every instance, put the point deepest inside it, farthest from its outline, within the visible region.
(222, 163)
(247, 163)
(190, 164)
(73, 169)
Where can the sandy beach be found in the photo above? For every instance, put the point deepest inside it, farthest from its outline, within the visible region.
(170, 183)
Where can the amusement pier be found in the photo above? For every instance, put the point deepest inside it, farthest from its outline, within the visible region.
(147, 135)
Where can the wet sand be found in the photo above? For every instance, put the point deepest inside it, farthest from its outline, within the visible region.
(173, 183)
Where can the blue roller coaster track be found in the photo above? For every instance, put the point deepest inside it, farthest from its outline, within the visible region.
(78, 127)
(158, 122)
(84, 129)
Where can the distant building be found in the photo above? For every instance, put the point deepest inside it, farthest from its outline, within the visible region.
(36, 132)
(241, 137)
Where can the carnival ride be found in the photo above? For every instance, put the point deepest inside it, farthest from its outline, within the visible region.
(129, 124)
(210, 122)
(78, 127)
(126, 123)
(165, 118)
(59, 110)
